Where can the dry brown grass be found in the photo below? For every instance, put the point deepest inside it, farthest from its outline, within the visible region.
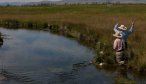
(97, 18)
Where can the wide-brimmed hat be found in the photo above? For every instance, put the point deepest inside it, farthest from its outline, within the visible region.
(122, 27)
(118, 35)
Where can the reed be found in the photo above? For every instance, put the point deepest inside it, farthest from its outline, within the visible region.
(92, 25)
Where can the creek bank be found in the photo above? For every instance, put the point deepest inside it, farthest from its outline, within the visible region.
(79, 32)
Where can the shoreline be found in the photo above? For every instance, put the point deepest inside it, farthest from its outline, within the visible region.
(90, 25)
(103, 53)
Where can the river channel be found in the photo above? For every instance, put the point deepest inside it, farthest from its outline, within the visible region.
(39, 57)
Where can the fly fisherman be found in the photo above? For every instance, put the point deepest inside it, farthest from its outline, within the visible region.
(119, 47)
(124, 32)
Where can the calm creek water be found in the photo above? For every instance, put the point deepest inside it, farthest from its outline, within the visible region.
(39, 57)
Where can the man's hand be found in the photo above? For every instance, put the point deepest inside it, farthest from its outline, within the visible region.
(132, 22)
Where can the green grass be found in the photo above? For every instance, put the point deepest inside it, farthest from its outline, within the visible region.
(77, 8)
(95, 22)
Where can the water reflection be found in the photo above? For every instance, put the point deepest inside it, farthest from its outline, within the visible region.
(38, 57)
(123, 73)
(71, 77)
(22, 78)
(43, 58)
(1, 40)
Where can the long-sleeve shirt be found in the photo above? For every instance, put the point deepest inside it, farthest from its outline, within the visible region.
(125, 34)
(119, 45)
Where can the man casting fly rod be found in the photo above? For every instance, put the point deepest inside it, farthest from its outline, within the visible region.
(120, 43)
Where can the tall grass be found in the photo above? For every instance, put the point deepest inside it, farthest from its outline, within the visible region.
(94, 22)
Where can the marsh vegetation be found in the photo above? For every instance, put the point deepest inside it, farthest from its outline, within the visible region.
(92, 25)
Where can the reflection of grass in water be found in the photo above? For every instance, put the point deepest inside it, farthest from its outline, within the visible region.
(93, 21)
(122, 80)
(120, 74)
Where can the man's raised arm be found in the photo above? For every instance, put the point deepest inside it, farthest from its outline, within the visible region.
(115, 28)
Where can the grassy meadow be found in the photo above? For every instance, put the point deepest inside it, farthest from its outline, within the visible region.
(95, 21)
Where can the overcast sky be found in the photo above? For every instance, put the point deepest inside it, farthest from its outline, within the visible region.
(70, 0)
(25, 0)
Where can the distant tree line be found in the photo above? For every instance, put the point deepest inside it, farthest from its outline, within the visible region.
(108, 2)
